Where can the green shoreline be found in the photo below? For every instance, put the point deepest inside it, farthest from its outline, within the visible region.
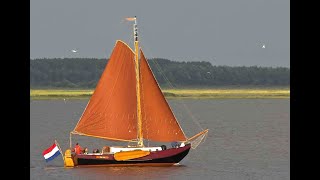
(215, 93)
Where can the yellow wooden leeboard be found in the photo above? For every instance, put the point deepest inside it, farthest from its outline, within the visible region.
(127, 155)
(68, 160)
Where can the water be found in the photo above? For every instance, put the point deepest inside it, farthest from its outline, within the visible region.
(248, 139)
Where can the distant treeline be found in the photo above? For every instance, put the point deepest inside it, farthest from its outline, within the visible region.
(85, 73)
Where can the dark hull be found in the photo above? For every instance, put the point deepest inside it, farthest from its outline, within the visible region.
(156, 158)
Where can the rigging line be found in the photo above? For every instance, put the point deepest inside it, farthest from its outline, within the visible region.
(163, 74)
(192, 117)
(169, 83)
(196, 142)
(130, 41)
(123, 26)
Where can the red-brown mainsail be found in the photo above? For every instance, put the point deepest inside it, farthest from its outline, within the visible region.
(112, 110)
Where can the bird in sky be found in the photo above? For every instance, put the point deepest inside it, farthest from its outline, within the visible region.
(263, 46)
(74, 50)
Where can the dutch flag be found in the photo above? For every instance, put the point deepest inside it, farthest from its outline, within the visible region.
(51, 152)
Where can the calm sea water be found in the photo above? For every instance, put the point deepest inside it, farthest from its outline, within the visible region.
(248, 139)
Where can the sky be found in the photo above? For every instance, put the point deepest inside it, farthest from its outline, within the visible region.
(223, 32)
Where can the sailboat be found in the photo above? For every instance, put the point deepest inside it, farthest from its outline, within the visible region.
(128, 105)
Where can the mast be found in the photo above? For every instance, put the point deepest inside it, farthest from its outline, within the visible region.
(136, 59)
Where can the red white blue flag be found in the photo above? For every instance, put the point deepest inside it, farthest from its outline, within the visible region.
(51, 152)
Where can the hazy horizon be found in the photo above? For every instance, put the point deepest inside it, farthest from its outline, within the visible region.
(222, 32)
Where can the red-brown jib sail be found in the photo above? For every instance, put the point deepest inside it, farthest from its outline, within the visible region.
(158, 121)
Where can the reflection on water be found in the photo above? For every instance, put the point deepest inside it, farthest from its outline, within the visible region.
(248, 139)
(131, 172)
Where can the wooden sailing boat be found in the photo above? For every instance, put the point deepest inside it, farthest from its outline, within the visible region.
(128, 105)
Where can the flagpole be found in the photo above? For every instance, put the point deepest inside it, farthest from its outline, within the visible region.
(59, 149)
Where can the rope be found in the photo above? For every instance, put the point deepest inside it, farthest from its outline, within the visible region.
(195, 143)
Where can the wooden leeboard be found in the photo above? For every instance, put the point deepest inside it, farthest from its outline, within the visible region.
(127, 155)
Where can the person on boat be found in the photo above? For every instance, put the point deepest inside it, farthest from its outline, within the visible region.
(105, 149)
(96, 151)
(85, 151)
(78, 149)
